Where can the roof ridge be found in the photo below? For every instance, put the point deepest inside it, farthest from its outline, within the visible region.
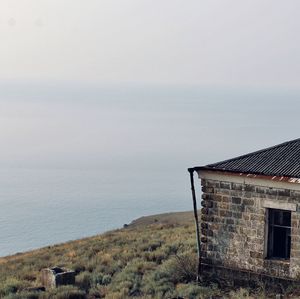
(255, 152)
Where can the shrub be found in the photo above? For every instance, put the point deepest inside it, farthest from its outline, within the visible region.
(193, 291)
(129, 280)
(97, 292)
(106, 279)
(64, 292)
(157, 284)
(79, 267)
(151, 246)
(241, 294)
(96, 278)
(119, 264)
(181, 268)
(10, 286)
(23, 295)
(84, 280)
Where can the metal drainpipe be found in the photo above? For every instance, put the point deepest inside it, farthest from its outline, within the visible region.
(191, 171)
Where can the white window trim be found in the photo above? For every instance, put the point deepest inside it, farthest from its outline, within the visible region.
(271, 204)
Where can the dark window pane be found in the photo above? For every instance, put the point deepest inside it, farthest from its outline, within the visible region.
(286, 219)
(281, 242)
(279, 236)
(282, 218)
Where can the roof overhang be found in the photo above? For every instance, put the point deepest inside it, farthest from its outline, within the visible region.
(274, 178)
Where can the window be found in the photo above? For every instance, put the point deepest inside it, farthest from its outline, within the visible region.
(279, 234)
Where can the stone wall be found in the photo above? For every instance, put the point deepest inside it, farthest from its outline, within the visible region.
(233, 220)
(55, 277)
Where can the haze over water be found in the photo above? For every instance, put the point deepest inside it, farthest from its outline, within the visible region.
(108, 156)
(105, 104)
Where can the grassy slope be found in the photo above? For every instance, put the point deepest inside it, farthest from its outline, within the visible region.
(153, 257)
(179, 218)
(101, 261)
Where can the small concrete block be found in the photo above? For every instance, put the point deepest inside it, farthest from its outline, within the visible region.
(54, 277)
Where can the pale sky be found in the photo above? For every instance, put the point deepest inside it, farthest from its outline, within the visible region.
(252, 43)
(179, 82)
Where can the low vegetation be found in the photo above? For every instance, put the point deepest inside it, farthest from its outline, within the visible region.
(154, 257)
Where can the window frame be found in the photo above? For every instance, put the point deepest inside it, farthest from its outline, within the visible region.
(269, 235)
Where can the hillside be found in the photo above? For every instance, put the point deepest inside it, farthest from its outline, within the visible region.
(153, 257)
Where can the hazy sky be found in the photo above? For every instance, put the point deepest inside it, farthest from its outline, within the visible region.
(95, 82)
(218, 43)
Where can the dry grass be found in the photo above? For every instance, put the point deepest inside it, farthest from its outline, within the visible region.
(152, 258)
(179, 218)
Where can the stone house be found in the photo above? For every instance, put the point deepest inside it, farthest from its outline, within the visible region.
(250, 216)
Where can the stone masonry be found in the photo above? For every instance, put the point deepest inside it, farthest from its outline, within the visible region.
(233, 221)
(55, 277)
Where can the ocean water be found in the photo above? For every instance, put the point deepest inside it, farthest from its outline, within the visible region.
(78, 162)
(48, 206)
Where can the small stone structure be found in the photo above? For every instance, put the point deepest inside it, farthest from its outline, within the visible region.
(54, 277)
(250, 216)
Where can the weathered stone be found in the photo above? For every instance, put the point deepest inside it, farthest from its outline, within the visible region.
(204, 225)
(255, 217)
(205, 211)
(203, 239)
(284, 192)
(260, 233)
(208, 189)
(296, 247)
(224, 205)
(260, 190)
(236, 186)
(246, 216)
(248, 195)
(295, 194)
(217, 197)
(236, 200)
(207, 232)
(54, 277)
(207, 204)
(250, 209)
(234, 193)
(237, 215)
(229, 221)
(207, 218)
(280, 205)
(225, 198)
(250, 188)
(204, 196)
(203, 182)
(230, 228)
(256, 255)
(233, 227)
(225, 213)
(225, 185)
(271, 191)
(211, 183)
(295, 238)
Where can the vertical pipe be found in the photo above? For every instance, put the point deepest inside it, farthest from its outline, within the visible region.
(191, 171)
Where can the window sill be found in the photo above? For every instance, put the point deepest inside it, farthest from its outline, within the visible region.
(277, 261)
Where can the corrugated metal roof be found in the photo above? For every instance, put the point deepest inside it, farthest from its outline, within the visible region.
(279, 160)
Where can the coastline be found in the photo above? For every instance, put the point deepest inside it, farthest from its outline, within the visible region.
(170, 218)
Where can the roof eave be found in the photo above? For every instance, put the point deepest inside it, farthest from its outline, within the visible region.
(294, 179)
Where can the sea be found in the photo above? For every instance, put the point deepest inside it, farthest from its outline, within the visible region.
(75, 163)
(40, 207)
